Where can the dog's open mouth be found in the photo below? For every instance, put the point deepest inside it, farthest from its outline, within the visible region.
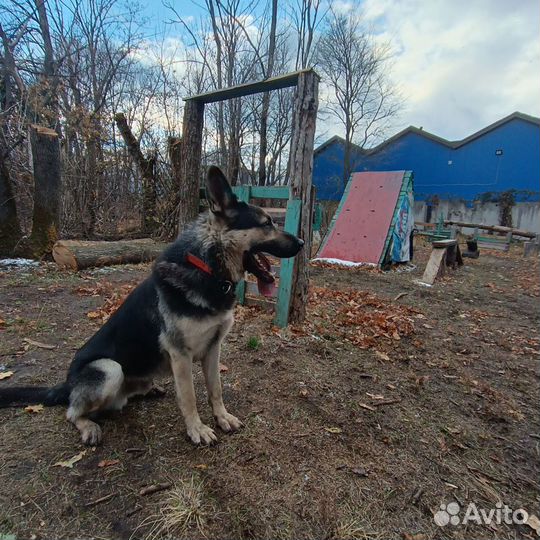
(258, 265)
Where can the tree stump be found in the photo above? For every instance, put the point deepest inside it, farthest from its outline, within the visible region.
(10, 230)
(47, 187)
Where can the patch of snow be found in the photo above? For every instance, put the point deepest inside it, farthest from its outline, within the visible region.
(342, 262)
(8, 263)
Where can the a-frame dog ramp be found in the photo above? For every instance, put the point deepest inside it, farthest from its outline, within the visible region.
(373, 222)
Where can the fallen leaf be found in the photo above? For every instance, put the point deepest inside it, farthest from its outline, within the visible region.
(5, 374)
(2, 322)
(333, 429)
(418, 536)
(108, 462)
(360, 471)
(223, 368)
(39, 344)
(93, 315)
(71, 461)
(382, 355)
(201, 466)
(534, 523)
(303, 392)
(34, 408)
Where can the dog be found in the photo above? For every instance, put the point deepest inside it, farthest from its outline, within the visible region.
(180, 314)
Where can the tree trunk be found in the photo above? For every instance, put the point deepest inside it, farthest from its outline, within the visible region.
(263, 150)
(300, 175)
(10, 230)
(45, 146)
(78, 255)
(147, 168)
(190, 165)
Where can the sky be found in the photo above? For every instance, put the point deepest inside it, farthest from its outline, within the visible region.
(459, 64)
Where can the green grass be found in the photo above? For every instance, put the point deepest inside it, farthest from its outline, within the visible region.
(254, 343)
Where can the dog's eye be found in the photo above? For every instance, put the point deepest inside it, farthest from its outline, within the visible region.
(268, 223)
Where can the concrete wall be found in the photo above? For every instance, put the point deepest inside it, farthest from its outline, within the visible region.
(525, 215)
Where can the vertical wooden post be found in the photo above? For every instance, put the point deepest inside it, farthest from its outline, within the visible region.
(300, 177)
(190, 165)
(244, 194)
(47, 185)
(286, 274)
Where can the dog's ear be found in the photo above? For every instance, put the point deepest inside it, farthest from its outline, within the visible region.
(218, 191)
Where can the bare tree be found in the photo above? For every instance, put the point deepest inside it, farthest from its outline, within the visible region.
(353, 67)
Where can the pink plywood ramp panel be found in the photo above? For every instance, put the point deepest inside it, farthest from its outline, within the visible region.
(361, 228)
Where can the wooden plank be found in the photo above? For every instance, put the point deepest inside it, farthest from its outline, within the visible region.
(495, 246)
(444, 243)
(270, 192)
(292, 222)
(435, 266)
(273, 83)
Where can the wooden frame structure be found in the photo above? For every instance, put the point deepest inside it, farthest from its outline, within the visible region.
(299, 193)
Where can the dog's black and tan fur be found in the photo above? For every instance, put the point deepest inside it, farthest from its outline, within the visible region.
(179, 314)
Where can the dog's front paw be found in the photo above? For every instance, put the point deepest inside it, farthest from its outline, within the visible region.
(228, 422)
(201, 433)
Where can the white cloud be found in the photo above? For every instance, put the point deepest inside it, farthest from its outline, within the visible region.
(462, 64)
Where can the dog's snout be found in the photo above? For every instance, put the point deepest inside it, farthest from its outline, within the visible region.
(300, 242)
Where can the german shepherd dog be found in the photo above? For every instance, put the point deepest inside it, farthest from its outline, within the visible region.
(179, 314)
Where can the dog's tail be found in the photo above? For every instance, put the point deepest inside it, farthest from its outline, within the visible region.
(29, 395)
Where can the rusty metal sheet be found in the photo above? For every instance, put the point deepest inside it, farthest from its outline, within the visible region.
(360, 230)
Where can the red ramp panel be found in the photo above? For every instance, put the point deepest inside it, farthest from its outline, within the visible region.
(363, 218)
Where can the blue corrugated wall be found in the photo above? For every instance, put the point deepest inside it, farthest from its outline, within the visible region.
(470, 172)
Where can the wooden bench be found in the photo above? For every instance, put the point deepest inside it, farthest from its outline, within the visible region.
(445, 253)
(493, 242)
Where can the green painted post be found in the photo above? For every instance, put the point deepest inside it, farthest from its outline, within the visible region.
(317, 220)
(292, 222)
(244, 194)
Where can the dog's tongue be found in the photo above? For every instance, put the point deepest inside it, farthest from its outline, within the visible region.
(266, 288)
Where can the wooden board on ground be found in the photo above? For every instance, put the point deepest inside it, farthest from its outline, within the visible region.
(444, 253)
(79, 254)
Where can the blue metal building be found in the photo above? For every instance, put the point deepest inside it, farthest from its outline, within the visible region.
(503, 156)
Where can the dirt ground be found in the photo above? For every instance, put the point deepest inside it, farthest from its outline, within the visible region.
(358, 424)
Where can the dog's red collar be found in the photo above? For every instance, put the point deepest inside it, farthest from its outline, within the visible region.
(201, 265)
(225, 286)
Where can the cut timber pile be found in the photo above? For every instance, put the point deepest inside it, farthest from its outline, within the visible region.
(78, 254)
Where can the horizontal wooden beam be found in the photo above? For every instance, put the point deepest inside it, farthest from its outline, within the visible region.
(274, 83)
(257, 192)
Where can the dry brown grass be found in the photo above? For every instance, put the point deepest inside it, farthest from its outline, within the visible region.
(186, 508)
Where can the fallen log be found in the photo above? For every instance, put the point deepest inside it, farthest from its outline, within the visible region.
(79, 254)
(494, 228)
